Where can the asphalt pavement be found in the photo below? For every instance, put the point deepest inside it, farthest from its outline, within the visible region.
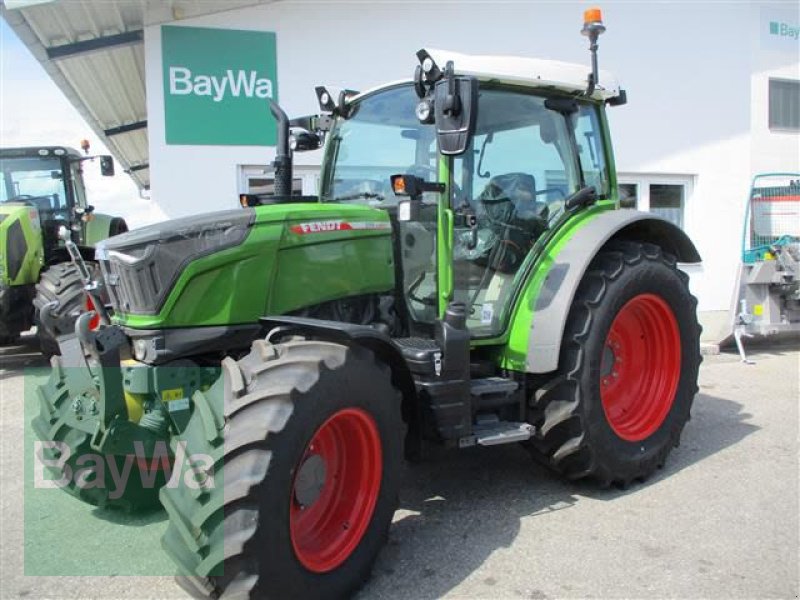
(719, 521)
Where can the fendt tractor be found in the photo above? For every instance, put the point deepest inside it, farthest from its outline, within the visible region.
(464, 278)
(41, 190)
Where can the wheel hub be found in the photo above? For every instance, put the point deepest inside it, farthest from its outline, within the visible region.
(310, 480)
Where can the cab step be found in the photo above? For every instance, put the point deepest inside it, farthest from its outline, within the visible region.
(492, 385)
(490, 431)
(493, 392)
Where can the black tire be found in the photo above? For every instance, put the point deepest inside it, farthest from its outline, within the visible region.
(236, 540)
(51, 426)
(575, 435)
(59, 283)
(8, 340)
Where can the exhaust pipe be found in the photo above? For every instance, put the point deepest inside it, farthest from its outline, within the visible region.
(282, 164)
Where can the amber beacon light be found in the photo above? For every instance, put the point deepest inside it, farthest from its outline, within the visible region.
(592, 18)
(592, 28)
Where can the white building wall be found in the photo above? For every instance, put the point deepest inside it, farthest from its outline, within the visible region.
(772, 151)
(695, 75)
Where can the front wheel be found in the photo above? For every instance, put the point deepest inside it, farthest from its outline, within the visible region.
(60, 283)
(307, 444)
(627, 370)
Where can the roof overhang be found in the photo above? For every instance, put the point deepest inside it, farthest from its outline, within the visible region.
(94, 52)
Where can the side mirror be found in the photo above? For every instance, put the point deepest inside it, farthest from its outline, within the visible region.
(106, 166)
(301, 140)
(455, 103)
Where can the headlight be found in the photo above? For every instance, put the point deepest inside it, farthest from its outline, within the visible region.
(140, 349)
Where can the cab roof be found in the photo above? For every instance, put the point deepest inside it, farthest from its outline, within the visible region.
(37, 151)
(528, 72)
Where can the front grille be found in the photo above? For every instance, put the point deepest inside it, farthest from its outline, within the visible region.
(132, 288)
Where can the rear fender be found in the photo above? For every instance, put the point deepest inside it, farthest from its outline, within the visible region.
(554, 300)
(101, 227)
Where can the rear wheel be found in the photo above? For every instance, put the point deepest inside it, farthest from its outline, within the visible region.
(627, 370)
(59, 283)
(309, 435)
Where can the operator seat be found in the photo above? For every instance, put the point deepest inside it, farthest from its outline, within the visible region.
(509, 220)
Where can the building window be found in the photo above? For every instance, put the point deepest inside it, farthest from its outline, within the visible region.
(265, 186)
(662, 195)
(666, 200)
(259, 180)
(784, 104)
(628, 194)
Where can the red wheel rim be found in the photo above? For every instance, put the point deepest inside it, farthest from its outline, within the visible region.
(94, 322)
(640, 367)
(335, 489)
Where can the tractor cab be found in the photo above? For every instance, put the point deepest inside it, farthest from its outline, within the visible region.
(49, 179)
(526, 148)
(41, 194)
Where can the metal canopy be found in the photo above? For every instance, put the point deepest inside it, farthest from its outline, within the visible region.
(94, 52)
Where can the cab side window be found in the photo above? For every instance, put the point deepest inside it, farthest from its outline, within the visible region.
(589, 138)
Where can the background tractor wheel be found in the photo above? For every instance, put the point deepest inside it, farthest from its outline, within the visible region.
(627, 370)
(8, 340)
(97, 487)
(310, 436)
(61, 283)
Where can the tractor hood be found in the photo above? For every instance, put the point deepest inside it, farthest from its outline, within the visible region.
(235, 266)
(140, 267)
(20, 243)
(12, 209)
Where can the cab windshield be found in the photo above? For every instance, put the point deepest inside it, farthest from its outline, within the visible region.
(380, 138)
(33, 180)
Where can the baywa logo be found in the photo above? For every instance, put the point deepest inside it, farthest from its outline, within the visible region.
(784, 30)
(241, 83)
(114, 473)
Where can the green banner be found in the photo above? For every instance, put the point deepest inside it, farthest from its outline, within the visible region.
(216, 86)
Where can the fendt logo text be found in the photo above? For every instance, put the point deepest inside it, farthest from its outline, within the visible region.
(783, 30)
(183, 82)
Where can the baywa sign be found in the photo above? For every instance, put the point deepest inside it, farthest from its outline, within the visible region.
(216, 86)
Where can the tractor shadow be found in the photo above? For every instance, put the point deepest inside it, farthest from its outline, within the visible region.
(459, 507)
(23, 354)
(139, 518)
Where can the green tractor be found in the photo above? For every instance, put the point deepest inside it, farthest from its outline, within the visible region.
(41, 190)
(465, 278)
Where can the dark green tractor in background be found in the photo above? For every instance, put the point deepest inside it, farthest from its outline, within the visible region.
(41, 190)
(465, 278)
